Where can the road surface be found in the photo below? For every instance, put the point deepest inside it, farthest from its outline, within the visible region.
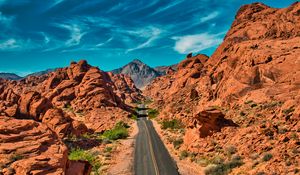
(151, 156)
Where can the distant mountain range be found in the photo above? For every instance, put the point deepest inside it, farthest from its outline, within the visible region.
(12, 76)
(141, 73)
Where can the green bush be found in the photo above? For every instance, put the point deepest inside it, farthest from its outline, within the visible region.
(288, 111)
(230, 150)
(80, 154)
(221, 167)
(183, 154)
(177, 143)
(267, 157)
(152, 113)
(108, 149)
(120, 131)
(172, 124)
(133, 117)
(16, 157)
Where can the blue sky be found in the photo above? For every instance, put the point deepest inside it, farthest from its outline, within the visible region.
(40, 34)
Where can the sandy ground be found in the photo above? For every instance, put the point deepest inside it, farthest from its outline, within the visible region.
(122, 159)
(185, 167)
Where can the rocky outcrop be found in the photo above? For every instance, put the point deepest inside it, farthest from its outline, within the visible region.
(37, 113)
(252, 77)
(29, 147)
(78, 168)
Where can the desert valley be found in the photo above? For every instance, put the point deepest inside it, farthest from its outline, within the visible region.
(234, 112)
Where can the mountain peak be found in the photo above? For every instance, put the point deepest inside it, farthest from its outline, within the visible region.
(137, 61)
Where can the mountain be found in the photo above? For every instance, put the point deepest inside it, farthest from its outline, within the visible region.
(10, 76)
(41, 72)
(239, 100)
(141, 73)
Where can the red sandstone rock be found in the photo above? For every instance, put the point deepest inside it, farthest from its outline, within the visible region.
(29, 147)
(55, 106)
(253, 77)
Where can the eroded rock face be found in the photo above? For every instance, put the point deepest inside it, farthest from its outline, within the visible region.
(45, 110)
(29, 147)
(210, 121)
(252, 77)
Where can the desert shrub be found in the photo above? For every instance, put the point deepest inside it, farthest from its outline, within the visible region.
(171, 124)
(230, 150)
(267, 157)
(222, 168)
(242, 113)
(152, 113)
(108, 149)
(68, 107)
(148, 101)
(16, 157)
(288, 111)
(253, 105)
(122, 124)
(133, 117)
(177, 143)
(272, 104)
(249, 101)
(80, 154)
(120, 131)
(183, 154)
(203, 161)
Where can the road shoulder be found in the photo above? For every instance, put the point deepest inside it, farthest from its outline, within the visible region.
(122, 161)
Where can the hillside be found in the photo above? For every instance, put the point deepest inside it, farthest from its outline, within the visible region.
(10, 76)
(244, 98)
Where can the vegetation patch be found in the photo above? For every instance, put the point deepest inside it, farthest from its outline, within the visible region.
(84, 155)
(183, 154)
(16, 157)
(68, 107)
(221, 167)
(152, 113)
(133, 117)
(230, 150)
(288, 111)
(177, 143)
(120, 131)
(267, 157)
(171, 124)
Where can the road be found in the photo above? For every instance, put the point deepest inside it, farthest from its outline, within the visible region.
(151, 155)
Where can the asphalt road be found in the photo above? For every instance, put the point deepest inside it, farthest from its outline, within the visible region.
(151, 155)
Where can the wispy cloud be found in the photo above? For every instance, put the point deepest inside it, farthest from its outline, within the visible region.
(9, 44)
(209, 17)
(151, 34)
(107, 41)
(46, 38)
(167, 7)
(75, 34)
(6, 20)
(195, 43)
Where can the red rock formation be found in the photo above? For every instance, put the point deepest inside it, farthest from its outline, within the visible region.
(46, 109)
(253, 78)
(29, 147)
